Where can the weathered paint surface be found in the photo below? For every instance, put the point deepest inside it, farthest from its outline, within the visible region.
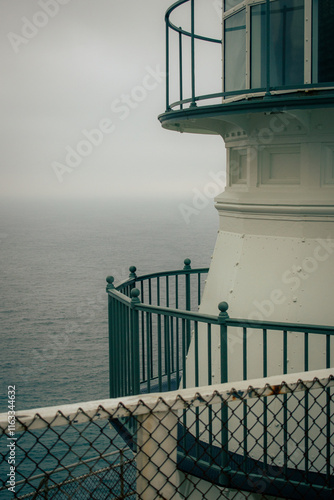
(163, 402)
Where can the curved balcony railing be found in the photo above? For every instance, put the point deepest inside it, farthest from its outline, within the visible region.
(150, 342)
(193, 36)
(149, 338)
(268, 47)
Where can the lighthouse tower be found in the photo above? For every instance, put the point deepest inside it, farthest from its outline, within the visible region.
(274, 255)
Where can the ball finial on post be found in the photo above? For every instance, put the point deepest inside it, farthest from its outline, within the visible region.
(110, 280)
(132, 270)
(223, 307)
(135, 296)
(187, 265)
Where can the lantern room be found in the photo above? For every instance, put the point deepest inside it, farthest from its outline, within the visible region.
(277, 45)
(265, 49)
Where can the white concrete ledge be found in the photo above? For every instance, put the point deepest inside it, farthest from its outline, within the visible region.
(79, 413)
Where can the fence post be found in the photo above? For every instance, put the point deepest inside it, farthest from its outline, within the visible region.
(158, 477)
(134, 331)
(223, 316)
(112, 354)
(187, 267)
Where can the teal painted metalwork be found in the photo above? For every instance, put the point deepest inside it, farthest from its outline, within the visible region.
(134, 328)
(180, 66)
(159, 353)
(143, 338)
(148, 342)
(209, 354)
(269, 85)
(193, 94)
(167, 68)
(184, 354)
(223, 316)
(132, 270)
(148, 347)
(187, 263)
(149, 353)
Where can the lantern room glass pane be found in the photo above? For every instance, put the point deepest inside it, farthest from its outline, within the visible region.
(286, 42)
(258, 46)
(229, 4)
(325, 41)
(235, 51)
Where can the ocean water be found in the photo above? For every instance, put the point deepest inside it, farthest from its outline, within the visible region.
(54, 261)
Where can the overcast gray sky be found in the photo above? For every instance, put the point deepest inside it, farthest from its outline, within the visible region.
(66, 77)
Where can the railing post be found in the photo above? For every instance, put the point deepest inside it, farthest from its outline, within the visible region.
(223, 316)
(193, 100)
(132, 274)
(112, 354)
(181, 67)
(167, 65)
(187, 267)
(134, 332)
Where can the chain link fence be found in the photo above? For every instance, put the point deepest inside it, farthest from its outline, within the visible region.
(264, 437)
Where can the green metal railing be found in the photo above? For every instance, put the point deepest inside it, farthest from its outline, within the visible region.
(268, 88)
(149, 338)
(181, 35)
(161, 343)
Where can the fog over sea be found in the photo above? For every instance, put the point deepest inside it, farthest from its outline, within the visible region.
(54, 261)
